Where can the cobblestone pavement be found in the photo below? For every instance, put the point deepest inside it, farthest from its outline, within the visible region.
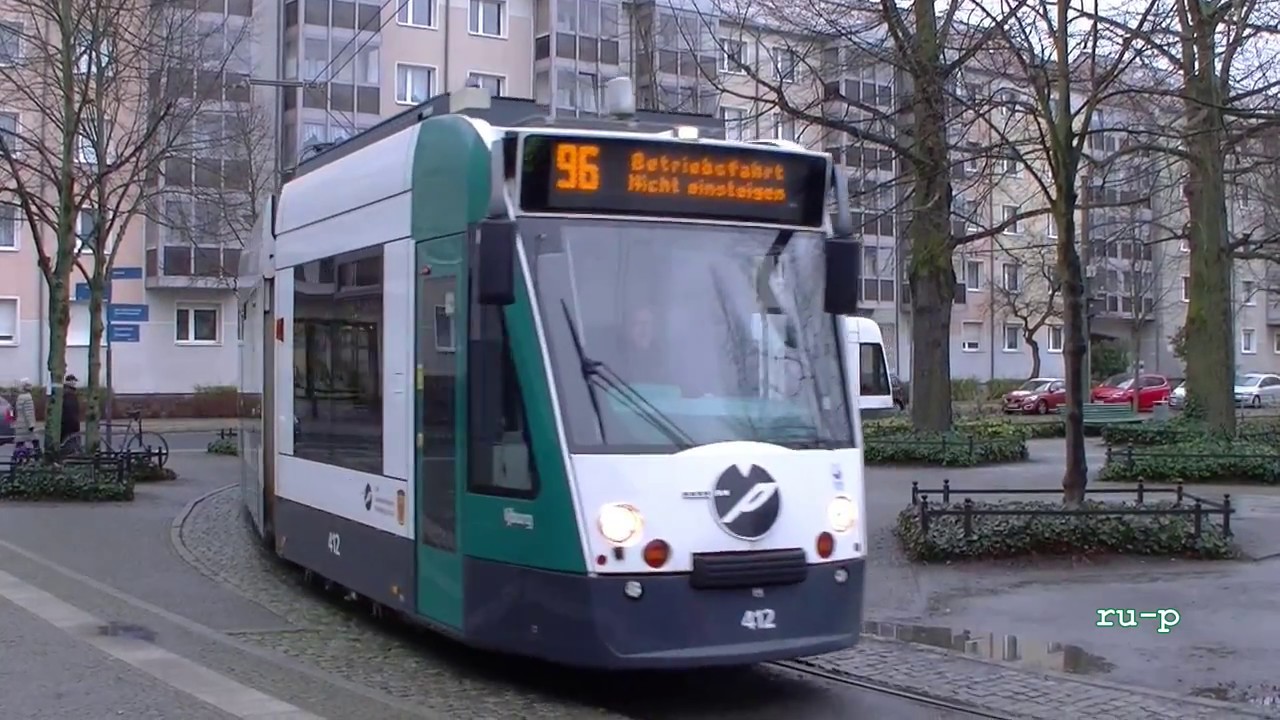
(215, 538)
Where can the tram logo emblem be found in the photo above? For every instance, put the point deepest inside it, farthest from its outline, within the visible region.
(746, 506)
(368, 496)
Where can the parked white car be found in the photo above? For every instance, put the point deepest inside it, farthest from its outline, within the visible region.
(1178, 398)
(1257, 389)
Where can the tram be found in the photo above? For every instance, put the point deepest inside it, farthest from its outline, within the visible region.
(570, 392)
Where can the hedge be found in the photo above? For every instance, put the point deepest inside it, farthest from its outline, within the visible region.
(224, 446)
(1004, 536)
(40, 481)
(1182, 430)
(970, 443)
(1203, 460)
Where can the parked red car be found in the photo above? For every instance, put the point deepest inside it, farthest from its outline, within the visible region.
(1119, 389)
(1037, 395)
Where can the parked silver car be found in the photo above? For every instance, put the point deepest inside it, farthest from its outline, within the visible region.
(1257, 389)
(1178, 398)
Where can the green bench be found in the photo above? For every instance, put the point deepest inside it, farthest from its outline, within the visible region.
(1099, 414)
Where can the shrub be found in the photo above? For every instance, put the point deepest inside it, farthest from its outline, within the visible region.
(1183, 429)
(1003, 536)
(39, 481)
(224, 446)
(1203, 460)
(147, 471)
(973, 442)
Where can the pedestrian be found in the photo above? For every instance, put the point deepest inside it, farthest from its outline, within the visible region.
(25, 417)
(70, 409)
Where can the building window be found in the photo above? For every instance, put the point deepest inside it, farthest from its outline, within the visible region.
(1248, 342)
(196, 324)
(443, 324)
(10, 43)
(495, 84)
(1186, 288)
(973, 275)
(488, 17)
(1248, 291)
(86, 147)
(784, 127)
(10, 216)
(734, 123)
(1276, 343)
(367, 64)
(86, 230)
(1012, 338)
(1051, 228)
(970, 336)
(9, 138)
(1008, 213)
(784, 64)
(8, 320)
(415, 84)
(1010, 277)
(733, 55)
(418, 13)
(1055, 338)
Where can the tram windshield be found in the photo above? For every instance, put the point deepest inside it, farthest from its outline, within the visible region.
(670, 336)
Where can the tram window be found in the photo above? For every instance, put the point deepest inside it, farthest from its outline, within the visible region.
(501, 456)
(873, 370)
(337, 362)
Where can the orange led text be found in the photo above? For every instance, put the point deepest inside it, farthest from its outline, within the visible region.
(665, 174)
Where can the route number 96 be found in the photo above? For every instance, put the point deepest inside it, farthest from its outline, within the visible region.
(758, 620)
(577, 167)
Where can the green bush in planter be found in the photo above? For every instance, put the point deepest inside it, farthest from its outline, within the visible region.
(1204, 460)
(40, 481)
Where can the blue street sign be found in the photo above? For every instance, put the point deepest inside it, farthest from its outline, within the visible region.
(82, 292)
(126, 273)
(126, 313)
(117, 333)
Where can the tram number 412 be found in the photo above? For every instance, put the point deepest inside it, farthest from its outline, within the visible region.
(758, 620)
(335, 544)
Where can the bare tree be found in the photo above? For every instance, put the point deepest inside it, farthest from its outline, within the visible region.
(104, 94)
(1028, 292)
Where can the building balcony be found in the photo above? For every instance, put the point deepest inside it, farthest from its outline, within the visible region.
(1122, 306)
(191, 266)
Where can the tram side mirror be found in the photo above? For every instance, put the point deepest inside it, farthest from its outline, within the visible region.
(843, 277)
(496, 263)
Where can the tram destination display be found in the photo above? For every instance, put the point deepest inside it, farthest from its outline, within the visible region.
(630, 176)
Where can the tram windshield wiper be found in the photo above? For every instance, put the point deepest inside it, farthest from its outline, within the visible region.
(594, 371)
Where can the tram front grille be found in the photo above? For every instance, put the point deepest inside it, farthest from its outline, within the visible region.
(760, 568)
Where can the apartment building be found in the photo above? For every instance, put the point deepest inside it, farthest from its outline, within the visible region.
(325, 69)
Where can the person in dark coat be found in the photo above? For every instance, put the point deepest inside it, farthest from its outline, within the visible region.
(70, 408)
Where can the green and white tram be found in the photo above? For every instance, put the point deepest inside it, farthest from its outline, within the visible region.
(577, 394)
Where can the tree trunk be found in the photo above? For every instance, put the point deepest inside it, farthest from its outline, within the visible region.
(1076, 476)
(93, 389)
(56, 361)
(930, 272)
(1135, 341)
(1211, 367)
(1030, 337)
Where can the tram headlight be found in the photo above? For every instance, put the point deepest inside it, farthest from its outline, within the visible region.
(841, 513)
(620, 524)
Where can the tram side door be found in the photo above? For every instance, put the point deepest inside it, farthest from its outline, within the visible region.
(440, 444)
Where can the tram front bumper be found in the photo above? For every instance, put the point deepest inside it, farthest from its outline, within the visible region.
(595, 622)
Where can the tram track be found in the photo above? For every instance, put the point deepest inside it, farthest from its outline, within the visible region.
(805, 668)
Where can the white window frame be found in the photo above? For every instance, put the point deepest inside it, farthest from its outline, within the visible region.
(19, 29)
(1275, 342)
(739, 121)
(411, 21)
(475, 22)
(431, 86)
(969, 265)
(725, 65)
(1185, 289)
(483, 75)
(1006, 215)
(442, 311)
(1051, 228)
(777, 66)
(964, 344)
(17, 228)
(1251, 347)
(1248, 291)
(1184, 245)
(17, 320)
(16, 148)
(1017, 338)
(1017, 276)
(191, 323)
(1062, 338)
(80, 246)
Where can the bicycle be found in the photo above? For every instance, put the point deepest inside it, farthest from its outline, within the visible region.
(134, 439)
